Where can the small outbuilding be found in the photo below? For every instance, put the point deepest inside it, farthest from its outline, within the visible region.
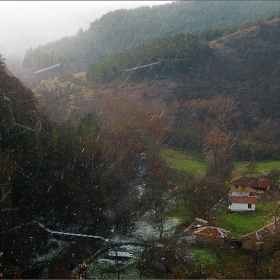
(256, 239)
(210, 235)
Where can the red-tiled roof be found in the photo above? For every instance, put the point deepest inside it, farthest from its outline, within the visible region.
(263, 232)
(262, 183)
(214, 232)
(274, 173)
(243, 199)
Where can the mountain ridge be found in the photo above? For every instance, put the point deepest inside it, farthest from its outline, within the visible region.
(123, 29)
(244, 68)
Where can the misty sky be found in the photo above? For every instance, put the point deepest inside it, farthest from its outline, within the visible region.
(26, 24)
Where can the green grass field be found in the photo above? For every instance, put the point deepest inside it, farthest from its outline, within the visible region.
(180, 161)
(183, 214)
(128, 271)
(261, 166)
(242, 223)
(204, 254)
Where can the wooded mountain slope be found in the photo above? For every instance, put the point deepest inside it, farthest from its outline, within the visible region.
(124, 29)
(242, 72)
(47, 173)
(79, 162)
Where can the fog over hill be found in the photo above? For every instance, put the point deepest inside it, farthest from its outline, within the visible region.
(26, 24)
(124, 29)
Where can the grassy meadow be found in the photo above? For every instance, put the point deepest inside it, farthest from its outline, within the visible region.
(261, 167)
(182, 162)
(242, 223)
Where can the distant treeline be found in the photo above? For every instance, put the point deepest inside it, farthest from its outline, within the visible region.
(124, 29)
(168, 56)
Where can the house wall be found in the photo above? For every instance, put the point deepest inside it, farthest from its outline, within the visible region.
(242, 207)
(241, 188)
(209, 240)
(249, 244)
(252, 244)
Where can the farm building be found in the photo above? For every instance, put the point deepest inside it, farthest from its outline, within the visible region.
(209, 235)
(246, 191)
(241, 201)
(255, 186)
(256, 239)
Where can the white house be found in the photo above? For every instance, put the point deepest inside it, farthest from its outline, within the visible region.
(242, 201)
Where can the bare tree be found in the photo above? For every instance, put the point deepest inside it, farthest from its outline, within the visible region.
(251, 167)
(218, 155)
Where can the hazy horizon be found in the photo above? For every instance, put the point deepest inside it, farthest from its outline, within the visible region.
(28, 24)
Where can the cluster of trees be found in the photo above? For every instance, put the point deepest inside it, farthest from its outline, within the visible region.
(223, 98)
(171, 261)
(201, 127)
(240, 123)
(260, 264)
(220, 125)
(39, 166)
(124, 29)
(165, 57)
(73, 171)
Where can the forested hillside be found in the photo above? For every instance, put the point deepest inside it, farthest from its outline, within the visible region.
(239, 70)
(162, 58)
(85, 152)
(124, 29)
(59, 173)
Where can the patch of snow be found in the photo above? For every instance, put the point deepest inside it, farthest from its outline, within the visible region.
(106, 261)
(146, 230)
(61, 245)
(189, 239)
(121, 254)
(54, 240)
(131, 249)
(171, 224)
(48, 256)
(71, 234)
(149, 214)
(140, 189)
(189, 256)
(123, 240)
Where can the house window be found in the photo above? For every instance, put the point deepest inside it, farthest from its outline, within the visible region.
(236, 186)
(249, 206)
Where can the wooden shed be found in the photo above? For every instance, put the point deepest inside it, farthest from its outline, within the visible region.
(256, 239)
(210, 235)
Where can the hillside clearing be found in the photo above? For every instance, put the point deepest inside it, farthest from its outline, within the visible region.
(180, 161)
(262, 166)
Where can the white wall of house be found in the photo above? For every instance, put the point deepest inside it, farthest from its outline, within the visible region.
(242, 207)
